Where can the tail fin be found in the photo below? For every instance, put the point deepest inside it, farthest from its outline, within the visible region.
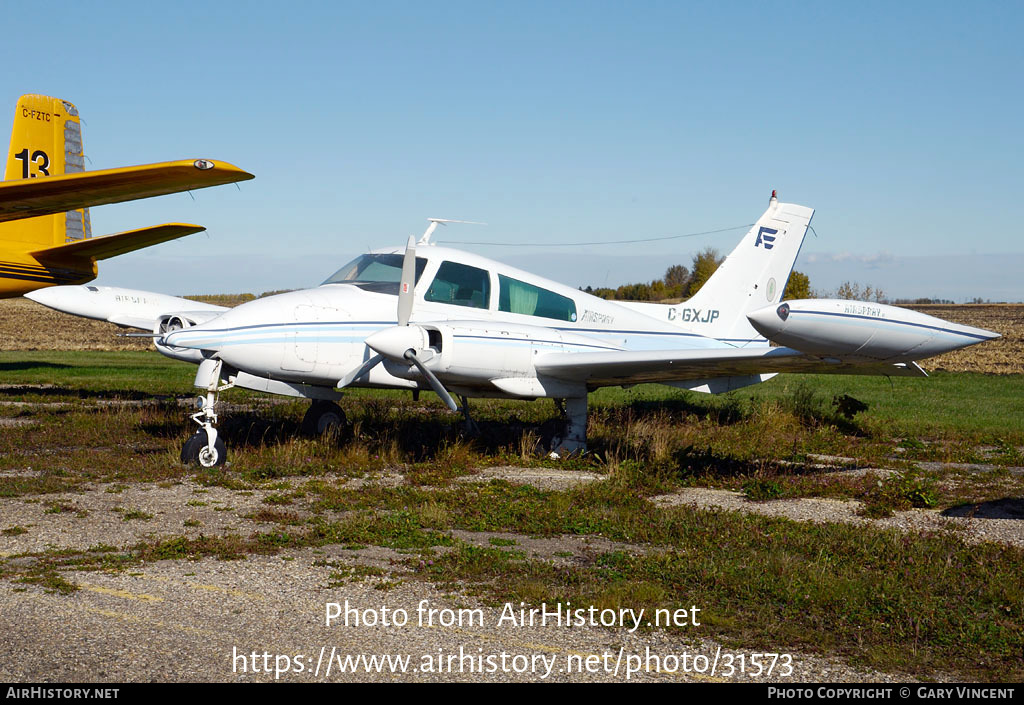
(46, 141)
(754, 274)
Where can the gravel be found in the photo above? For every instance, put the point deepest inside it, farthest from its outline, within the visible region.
(970, 529)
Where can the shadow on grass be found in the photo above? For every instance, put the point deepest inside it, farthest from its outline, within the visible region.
(811, 409)
(727, 412)
(419, 432)
(418, 439)
(21, 390)
(704, 462)
(1007, 508)
(32, 365)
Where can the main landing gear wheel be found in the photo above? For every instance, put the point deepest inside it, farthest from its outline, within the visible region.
(324, 418)
(197, 450)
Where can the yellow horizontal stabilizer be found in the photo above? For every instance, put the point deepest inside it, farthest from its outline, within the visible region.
(45, 195)
(112, 245)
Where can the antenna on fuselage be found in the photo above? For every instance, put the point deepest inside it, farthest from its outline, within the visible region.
(434, 222)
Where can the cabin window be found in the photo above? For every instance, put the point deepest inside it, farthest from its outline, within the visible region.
(460, 285)
(530, 300)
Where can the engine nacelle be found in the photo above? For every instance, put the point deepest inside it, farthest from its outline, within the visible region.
(862, 330)
(169, 323)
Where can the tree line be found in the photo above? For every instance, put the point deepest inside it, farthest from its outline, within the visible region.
(681, 282)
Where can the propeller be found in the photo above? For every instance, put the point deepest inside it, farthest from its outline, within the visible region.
(402, 341)
(408, 283)
(360, 371)
(435, 383)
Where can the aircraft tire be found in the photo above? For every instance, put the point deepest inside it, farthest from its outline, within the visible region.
(323, 418)
(194, 451)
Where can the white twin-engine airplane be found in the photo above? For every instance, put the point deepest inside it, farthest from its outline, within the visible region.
(460, 324)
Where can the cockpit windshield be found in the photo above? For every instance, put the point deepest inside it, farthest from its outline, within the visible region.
(379, 273)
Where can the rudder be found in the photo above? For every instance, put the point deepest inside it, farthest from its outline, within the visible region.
(753, 275)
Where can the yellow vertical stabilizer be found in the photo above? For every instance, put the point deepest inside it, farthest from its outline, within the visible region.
(46, 141)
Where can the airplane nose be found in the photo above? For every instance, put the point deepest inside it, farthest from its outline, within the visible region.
(78, 300)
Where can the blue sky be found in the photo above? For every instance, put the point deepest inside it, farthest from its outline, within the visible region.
(551, 121)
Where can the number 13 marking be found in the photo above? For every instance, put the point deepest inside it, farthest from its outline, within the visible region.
(40, 159)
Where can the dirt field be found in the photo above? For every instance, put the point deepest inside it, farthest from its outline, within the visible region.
(1003, 356)
(25, 325)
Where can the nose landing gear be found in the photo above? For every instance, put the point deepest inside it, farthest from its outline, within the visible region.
(206, 447)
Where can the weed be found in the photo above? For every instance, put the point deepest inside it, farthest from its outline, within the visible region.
(348, 574)
(51, 582)
(804, 403)
(762, 489)
(901, 491)
(271, 516)
(435, 516)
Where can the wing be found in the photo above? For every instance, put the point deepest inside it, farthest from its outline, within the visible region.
(112, 245)
(27, 198)
(605, 369)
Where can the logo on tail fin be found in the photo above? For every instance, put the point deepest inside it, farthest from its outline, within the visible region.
(766, 237)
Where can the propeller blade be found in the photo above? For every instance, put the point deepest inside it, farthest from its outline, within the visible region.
(435, 384)
(408, 283)
(359, 371)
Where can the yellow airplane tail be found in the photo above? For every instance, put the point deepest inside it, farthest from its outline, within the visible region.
(46, 141)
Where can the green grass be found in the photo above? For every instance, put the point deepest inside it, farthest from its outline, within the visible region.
(89, 373)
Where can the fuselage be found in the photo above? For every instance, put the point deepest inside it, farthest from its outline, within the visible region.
(491, 321)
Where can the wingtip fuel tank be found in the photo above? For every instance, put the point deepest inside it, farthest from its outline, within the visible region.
(862, 330)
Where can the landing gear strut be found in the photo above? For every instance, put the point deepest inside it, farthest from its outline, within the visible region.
(469, 425)
(574, 437)
(205, 447)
